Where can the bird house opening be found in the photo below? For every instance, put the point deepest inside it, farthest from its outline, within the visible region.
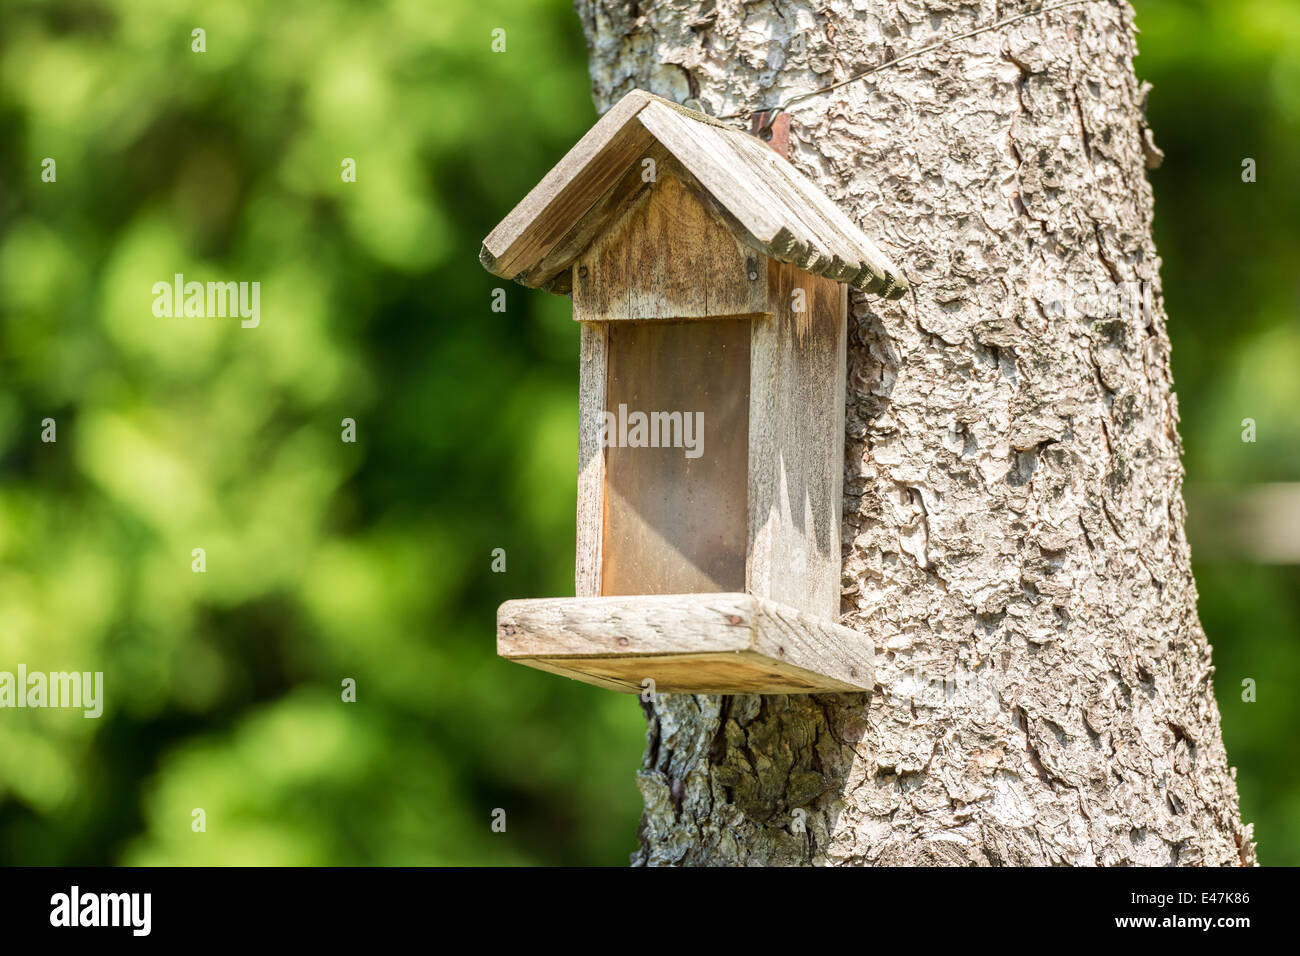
(676, 437)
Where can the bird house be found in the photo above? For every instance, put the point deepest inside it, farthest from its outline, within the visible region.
(710, 280)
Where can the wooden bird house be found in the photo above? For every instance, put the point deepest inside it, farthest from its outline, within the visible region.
(710, 280)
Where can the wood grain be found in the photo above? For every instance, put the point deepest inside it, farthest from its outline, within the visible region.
(592, 365)
(669, 257)
(796, 444)
(676, 524)
(784, 215)
(727, 643)
(766, 204)
(555, 270)
(568, 191)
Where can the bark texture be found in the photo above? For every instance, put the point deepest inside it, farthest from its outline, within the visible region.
(1013, 532)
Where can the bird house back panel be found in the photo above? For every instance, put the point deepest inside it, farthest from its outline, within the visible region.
(676, 457)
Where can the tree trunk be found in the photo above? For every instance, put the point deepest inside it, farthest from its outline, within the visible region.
(1013, 516)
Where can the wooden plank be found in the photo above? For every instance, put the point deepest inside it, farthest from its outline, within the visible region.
(695, 147)
(723, 163)
(669, 257)
(821, 248)
(769, 202)
(569, 190)
(763, 201)
(675, 517)
(558, 667)
(740, 672)
(593, 363)
(726, 643)
(864, 266)
(554, 271)
(628, 625)
(796, 444)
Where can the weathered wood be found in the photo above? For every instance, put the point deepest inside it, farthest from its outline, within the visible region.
(568, 192)
(555, 270)
(694, 643)
(593, 362)
(755, 189)
(767, 205)
(748, 502)
(669, 257)
(675, 517)
(796, 448)
(786, 217)
(668, 525)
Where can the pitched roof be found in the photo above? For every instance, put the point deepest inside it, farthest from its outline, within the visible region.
(769, 205)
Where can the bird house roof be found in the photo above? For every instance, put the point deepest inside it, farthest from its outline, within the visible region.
(764, 200)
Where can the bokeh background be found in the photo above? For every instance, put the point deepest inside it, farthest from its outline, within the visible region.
(372, 560)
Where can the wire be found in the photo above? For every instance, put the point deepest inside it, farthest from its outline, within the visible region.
(906, 56)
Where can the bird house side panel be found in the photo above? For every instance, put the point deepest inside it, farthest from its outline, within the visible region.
(796, 454)
(593, 355)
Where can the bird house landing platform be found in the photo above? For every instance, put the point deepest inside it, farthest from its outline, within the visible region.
(685, 643)
(710, 279)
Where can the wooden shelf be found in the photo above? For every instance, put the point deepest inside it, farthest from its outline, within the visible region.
(686, 643)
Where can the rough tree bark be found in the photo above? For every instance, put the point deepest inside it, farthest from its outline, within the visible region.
(1013, 516)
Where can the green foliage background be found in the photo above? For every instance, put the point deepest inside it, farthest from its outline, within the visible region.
(328, 560)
